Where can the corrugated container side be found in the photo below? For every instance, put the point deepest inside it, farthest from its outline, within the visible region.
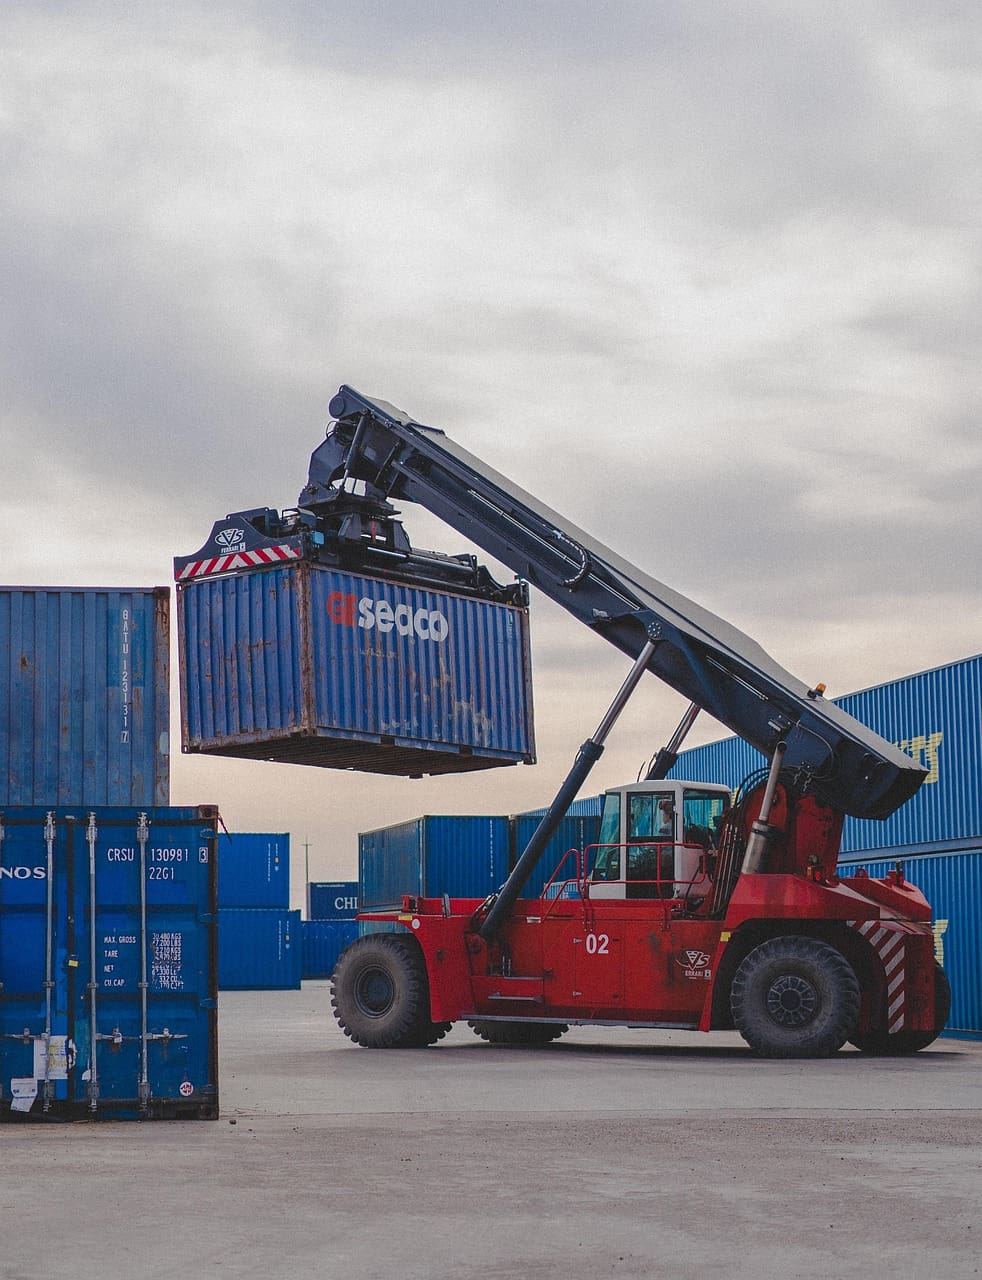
(323, 942)
(936, 716)
(574, 832)
(463, 856)
(332, 899)
(102, 856)
(952, 883)
(390, 863)
(254, 869)
(259, 949)
(278, 665)
(84, 696)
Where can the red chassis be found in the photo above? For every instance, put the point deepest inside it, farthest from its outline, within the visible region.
(646, 962)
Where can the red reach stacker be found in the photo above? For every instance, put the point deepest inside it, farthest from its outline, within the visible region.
(695, 910)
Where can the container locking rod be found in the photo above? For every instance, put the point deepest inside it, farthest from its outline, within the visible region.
(49, 843)
(93, 983)
(142, 836)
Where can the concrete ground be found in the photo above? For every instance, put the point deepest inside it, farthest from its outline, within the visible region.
(610, 1153)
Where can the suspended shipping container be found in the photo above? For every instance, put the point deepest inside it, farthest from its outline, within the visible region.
(951, 880)
(323, 942)
(936, 717)
(108, 963)
(465, 857)
(84, 699)
(254, 869)
(259, 949)
(314, 665)
(332, 899)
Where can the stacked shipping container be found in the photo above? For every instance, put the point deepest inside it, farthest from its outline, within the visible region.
(107, 958)
(84, 699)
(332, 908)
(259, 944)
(463, 856)
(108, 996)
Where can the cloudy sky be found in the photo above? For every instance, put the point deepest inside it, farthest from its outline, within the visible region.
(705, 277)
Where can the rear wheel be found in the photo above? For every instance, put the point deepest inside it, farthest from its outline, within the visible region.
(381, 994)
(882, 1044)
(795, 997)
(518, 1033)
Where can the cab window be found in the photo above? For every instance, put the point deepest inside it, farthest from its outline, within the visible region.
(650, 861)
(702, 812)
(651, 816)
(607, 860)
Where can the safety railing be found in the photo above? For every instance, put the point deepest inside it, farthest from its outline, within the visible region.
(680, 891)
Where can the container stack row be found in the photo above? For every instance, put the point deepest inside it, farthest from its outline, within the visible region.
(259, 937)
(108, 896)
(464, 856)
(332, 909)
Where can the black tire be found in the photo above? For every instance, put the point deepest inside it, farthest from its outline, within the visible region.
(881, 1044)
(525, 1034)
(430, 1034)
(795, 997)
(381, 996)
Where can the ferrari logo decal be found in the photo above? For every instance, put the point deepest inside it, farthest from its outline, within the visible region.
(695, 964)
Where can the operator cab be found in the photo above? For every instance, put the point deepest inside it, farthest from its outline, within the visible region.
(658, 840)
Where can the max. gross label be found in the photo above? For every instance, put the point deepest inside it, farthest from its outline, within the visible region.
(349, 611)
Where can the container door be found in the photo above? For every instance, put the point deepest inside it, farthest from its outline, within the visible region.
(107, 963)
(36, 1048)
(142, 889)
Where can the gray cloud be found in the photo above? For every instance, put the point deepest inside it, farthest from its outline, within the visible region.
(706, 282)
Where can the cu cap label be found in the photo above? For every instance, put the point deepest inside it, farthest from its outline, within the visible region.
(349, 611)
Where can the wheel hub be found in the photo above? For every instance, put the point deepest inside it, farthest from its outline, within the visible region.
(792, 1000)
(374, 992)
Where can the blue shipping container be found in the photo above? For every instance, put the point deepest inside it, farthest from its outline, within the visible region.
(80, 1035)
(311, 665)
(465, 857)
(332, 899)
(254, 869)
(84, 696)
(323, 942)
(936, 717)
(952, 883)
(574, 832)
(259, 949)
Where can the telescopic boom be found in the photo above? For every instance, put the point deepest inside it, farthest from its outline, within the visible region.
(713, 664)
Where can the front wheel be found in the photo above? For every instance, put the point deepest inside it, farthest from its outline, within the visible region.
(795, 997)
(381, 994)
(881, 1044)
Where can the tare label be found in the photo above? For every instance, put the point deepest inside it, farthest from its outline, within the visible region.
(349, 610)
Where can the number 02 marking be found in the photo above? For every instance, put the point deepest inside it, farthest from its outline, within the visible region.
(597, 944)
